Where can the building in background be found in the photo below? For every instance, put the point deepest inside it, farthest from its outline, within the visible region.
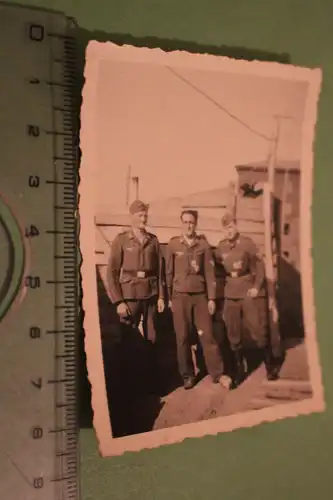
(286, 232)
(211, 205)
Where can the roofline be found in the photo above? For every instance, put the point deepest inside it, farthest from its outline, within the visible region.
(254, 168)
(204, 206)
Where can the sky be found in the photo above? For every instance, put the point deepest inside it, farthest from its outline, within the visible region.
(173, 127)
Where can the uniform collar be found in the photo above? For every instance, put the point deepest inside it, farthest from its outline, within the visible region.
(132, 236)
(235, 242)
(183, 240)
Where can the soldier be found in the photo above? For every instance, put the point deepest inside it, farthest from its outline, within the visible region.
(135, 274)
(245, 294)
(190, 277)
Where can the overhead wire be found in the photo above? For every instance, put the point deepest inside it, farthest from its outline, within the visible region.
(219, 105)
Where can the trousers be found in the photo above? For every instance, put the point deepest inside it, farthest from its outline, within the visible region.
(246, 316)
(143, 310)
(139, 350)
(188, 311)
(220, 334)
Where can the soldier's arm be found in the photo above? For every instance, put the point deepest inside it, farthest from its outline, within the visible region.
(169, 268)
(161, 270)
(113, 272)
(257, 265)
(217, 254)
(209, 269)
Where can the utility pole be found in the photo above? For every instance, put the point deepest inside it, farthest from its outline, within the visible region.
(273, 148)
(270, 238)
(128, 185)
(135, 181)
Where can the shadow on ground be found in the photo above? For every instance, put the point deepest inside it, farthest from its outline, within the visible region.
(131, 374)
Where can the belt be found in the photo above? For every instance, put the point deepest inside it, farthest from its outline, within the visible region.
(236, 274)
(140, 274)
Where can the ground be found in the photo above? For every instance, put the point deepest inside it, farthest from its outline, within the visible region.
(209, 401)
(134, 410)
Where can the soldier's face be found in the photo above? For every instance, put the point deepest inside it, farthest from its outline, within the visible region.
(140, 219)
(230, 231)
(189, 225)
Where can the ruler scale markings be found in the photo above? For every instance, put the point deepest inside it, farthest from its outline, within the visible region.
(55, 181)
(69, 244)
(52, 44)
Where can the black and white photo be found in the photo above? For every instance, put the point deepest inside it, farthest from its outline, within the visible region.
(195, 219)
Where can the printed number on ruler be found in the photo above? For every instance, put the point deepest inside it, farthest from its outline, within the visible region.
(64, 280)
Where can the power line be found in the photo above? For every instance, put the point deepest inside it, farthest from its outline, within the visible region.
(216, 103)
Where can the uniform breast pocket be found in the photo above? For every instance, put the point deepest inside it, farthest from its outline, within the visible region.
(180, 256)
(149, 257)
(130, 258)
(241, 262)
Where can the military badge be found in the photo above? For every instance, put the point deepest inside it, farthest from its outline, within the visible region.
(195, 266)
(238, 264)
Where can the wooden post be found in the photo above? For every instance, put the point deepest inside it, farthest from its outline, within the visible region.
(234, 193)
(270, 274)
(136, 184)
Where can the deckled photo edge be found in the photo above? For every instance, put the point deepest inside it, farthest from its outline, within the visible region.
(308, 295)
(104, 51)
(92, 337)
(213, 427)
(108, 446)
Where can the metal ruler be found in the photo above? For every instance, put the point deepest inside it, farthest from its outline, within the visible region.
(38, 252)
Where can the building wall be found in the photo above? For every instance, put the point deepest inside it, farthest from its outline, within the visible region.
(287, 223)
(289, 293)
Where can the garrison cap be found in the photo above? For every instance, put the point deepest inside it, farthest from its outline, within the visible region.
(138, 206)
(227, 219)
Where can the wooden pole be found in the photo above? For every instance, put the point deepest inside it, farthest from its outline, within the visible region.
(135, 181)
(270, 274)
(269, 191)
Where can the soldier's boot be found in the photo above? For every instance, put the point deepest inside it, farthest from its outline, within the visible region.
(189, 382)
(225, 381)
(272, 366)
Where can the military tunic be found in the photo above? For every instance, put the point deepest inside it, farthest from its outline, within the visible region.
(190, 278)
(135, 276)
(244, 269)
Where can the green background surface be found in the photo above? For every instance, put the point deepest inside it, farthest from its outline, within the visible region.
(288, 459)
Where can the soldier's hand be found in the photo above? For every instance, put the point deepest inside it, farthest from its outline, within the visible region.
(122, 309)
(253, 293)
(160, 305)
(170, 304)
(211, 307)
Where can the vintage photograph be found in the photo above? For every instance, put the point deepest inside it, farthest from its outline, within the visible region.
(195, 215)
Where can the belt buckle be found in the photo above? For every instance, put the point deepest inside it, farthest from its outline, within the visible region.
(234, 274)
(141, 274)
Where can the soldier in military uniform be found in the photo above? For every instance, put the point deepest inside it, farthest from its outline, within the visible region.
(135, 277)
(190, 277)
(245, 302)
